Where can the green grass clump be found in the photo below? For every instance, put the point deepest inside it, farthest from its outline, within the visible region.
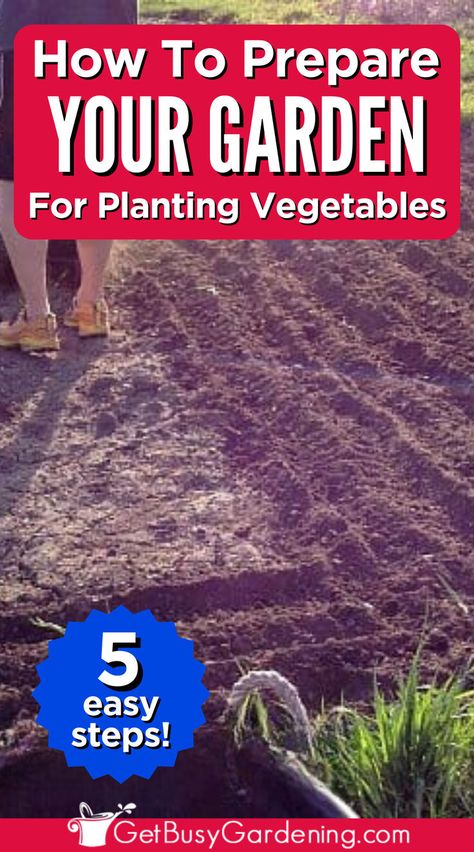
(253, 719)
(409, 757)
(467, 78)
(236, 11)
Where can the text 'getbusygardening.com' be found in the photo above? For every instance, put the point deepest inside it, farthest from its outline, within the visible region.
(255, 834)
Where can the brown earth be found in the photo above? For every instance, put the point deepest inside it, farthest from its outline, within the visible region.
(275, 449)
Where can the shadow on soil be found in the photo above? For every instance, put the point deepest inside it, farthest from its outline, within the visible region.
(34, 387)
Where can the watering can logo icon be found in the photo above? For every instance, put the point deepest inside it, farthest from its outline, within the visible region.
(93, 828)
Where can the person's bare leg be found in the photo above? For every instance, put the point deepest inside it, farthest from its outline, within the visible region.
(94, 256)
(27, 257)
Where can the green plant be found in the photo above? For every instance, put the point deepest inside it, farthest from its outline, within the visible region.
(266, 704)
(467, 77)
(409, 757)
(252, 718)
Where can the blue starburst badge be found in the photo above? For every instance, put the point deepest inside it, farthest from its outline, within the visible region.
(121, 694)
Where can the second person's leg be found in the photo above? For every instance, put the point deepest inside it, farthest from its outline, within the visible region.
(94, 257)
(90, 313)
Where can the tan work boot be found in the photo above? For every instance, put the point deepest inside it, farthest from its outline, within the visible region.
(39, 335)
(90, 319)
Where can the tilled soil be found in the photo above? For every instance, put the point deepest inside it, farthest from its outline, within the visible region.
(276, 450)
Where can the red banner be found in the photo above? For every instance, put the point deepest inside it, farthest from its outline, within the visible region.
(237, 132)
(220, 835)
